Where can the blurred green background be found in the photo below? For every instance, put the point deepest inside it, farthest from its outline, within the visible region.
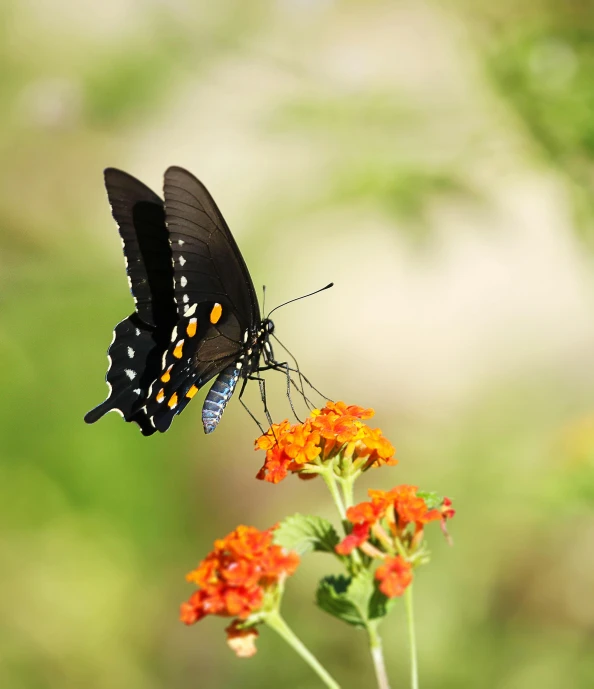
(434, 159)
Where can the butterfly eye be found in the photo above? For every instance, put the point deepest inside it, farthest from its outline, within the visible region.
(269, 327)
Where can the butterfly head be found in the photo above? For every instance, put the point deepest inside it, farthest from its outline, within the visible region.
(267, 326)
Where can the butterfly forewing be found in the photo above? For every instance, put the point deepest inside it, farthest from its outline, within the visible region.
(140, 216)
(208, 266)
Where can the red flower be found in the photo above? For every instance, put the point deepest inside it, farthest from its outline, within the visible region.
(394, 576)
(336, 430)
(355, 539)
(234, 579)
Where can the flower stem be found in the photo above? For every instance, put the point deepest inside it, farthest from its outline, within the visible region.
(276, 622)
(414, 671)
(377, 654)
(347, 490)
(346, 486)
(330, 481)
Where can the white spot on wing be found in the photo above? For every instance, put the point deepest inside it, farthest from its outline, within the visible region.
(130, 373)
(130, 352)
(137, 391)
(137, 332)
(174, 334)
(182, 261)
(183, 281)
(180, 242)
(191, 310)
(186, 299)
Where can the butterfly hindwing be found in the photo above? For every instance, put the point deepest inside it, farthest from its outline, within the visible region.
(198, 351)
(134, 361)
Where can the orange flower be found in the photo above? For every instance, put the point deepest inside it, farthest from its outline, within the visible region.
(302, 443)
(234, 580)
(337, 430)
(408, 507)
(394, 509)
(341, 409)
(394, 576)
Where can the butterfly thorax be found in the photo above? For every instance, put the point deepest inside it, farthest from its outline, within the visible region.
(256, 345)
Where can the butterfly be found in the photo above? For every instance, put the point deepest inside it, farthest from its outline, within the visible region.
(196, 311)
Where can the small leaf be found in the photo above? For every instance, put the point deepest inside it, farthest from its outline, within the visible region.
(355, 601)
(304, 534)
(432, 499)
(380, 605)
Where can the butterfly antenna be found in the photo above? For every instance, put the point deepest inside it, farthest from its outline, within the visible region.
(263, 298)
(298, 298)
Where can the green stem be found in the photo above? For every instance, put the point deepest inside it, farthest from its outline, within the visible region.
(414, 670)
(377, 654)
(346, 486)
(330, 481)
(347, 490)
(276, 622)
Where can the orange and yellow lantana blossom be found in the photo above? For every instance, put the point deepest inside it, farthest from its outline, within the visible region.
(337, 430)
(235, 580)
(405, 513)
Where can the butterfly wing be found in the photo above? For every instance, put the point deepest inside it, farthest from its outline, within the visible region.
(140, 216)
(207, 263)
(135, 352)
(199, 350)
(214, 292)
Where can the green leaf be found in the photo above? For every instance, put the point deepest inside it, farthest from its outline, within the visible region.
(432, 500)
(305, 534)
(356, 601)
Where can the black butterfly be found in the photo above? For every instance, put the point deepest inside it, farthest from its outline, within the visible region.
(197, 314)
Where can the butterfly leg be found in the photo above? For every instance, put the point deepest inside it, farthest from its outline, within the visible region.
(285, 368)
(262, 386)
(297, 370)
(244, 405)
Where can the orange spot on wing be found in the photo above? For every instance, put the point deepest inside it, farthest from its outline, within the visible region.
(177, 352)
(166, 377)
(160, 395)
(191, 392)
(215, 314)
(172, 401)
(192, 326)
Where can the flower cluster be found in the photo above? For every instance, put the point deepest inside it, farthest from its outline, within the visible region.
(390, 527)
(335, 432)
(238, 578)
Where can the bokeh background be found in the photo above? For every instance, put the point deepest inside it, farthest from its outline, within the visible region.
(434, 159)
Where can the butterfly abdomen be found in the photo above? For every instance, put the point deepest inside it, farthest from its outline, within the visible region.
(218, 396)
